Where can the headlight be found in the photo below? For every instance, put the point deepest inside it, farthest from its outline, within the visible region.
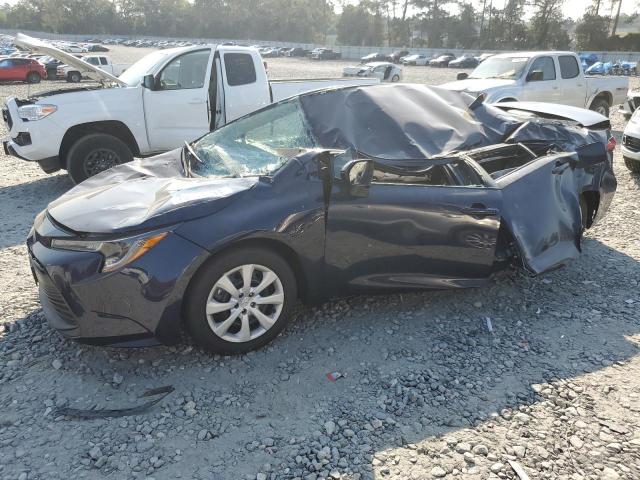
(116, 253)
(35, 112)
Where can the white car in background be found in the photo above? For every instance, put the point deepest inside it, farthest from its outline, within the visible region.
(551, 77)
(384, 71)
(74, 74)
(416, 59)
(631, 143)
(72, 48)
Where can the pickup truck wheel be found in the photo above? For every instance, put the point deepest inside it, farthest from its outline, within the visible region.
(632, 165)
(601, 106)
(96, 153)
(74, 77)
(240, 300)
(33, 77)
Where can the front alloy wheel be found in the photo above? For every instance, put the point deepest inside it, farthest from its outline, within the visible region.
(245, 303)
(240, 300)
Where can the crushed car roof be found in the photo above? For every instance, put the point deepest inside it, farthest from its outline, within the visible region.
(413, 121)
(403, 121)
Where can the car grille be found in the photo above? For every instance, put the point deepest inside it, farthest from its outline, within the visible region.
(57, 302)
(6, 116)
(632, 143)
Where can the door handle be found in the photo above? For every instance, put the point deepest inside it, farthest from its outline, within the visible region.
(196, 101)
(480, 211)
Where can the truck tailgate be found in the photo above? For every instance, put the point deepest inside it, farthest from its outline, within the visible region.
(281, 89)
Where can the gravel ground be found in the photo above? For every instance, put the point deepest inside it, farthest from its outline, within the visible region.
(427, 390)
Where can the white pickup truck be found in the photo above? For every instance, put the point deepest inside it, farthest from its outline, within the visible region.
(166, 98)
(553, 77)
(74, 74)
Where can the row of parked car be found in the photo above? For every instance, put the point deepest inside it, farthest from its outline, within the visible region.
(439, 60)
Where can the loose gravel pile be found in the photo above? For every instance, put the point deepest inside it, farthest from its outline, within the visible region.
(539, 374)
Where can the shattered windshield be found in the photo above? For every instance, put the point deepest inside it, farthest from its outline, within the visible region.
(257, 144)
(509, 68)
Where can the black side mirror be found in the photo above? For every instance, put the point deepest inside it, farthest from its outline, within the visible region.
(462, 76)
(357, 176)
(149, 81)
(535, 76)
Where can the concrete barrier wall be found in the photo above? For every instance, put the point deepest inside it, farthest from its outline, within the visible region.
(348, 52)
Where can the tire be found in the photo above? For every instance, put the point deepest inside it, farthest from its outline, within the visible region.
(601, 106)
(33, 77)
(204, 288)
(95, 153)
(395, 79)
(632, 165)
(74, 77)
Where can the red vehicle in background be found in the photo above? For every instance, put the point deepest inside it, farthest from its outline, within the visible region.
(22, 70)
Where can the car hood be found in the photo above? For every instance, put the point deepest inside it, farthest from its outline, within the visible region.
(38, 46)
(143, 195)
(477, 85)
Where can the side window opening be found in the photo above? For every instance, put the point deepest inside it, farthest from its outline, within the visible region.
(498, 161)
(103, 61)
(239, 69)
(568, 66)
(185, 72)
(545, 64)
(435, 175)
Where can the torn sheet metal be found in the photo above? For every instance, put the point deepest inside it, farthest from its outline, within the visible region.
(582, 116)
(404, 121)
(89, 414)
(551, 186)
(143, 194)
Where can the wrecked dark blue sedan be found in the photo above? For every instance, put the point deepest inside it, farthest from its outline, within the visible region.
(339, 192)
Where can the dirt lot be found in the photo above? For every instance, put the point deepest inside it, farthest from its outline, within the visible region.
(427, 390)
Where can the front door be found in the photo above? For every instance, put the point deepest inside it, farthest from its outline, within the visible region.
(177, 110)
(545, 89)
(412, 232)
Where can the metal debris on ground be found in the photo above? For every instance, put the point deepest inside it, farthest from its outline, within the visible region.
(91, 413)
(489, 324)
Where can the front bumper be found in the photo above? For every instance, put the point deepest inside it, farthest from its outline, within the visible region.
(45, 136)
(135, 306)
(631, 140)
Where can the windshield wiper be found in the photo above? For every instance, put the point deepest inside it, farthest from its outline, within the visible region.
(186, 154)
(193, 153)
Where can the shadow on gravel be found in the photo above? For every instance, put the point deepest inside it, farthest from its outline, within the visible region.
(21, 202)
(415, 367)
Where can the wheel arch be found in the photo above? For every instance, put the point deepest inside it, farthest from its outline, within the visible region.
(111, 127)
(607, 96)
(592, 199)
(281, 248)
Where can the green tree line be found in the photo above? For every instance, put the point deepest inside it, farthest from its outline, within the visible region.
(478, 24)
